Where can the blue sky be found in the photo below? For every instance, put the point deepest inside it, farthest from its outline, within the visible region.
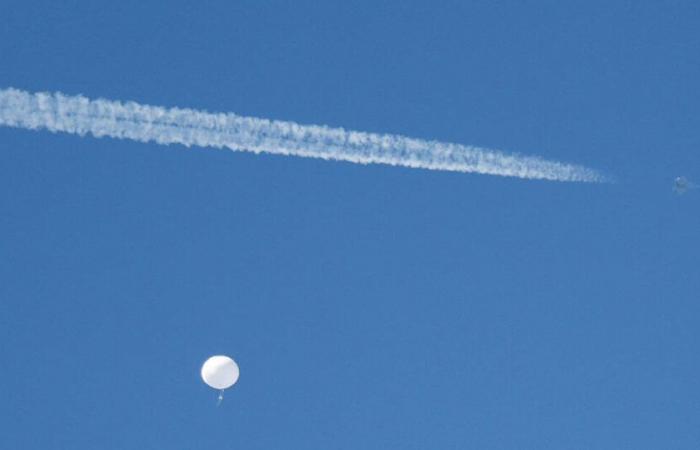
(367, 306)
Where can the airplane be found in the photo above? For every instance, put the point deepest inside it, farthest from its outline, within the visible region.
(682, 184)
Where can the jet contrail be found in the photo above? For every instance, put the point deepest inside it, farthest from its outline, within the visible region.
(144, 123)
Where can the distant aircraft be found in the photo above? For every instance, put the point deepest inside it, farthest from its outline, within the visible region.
(681, 185)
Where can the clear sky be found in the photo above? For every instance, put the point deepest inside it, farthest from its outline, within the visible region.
(368, 307)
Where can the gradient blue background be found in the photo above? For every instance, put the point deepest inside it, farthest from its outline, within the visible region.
(368, 307)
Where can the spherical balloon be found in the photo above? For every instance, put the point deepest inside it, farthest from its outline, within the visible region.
(220, 372)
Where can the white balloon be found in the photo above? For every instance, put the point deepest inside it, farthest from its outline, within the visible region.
(220, 372)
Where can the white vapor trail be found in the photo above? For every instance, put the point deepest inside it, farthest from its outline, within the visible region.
(144, 123)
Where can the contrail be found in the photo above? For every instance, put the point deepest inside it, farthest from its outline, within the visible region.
(144, 123)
